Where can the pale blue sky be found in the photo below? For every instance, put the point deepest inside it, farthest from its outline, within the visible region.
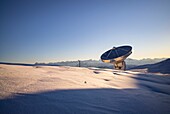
(58, 30)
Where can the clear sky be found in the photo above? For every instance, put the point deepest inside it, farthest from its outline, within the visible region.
(58, 30)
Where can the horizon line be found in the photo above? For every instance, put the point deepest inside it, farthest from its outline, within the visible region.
(8, 62)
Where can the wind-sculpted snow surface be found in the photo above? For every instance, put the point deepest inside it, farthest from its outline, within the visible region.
(73, 90)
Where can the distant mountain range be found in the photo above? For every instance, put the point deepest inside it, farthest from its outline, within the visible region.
(98, 63)
(143, 61)
(160, 67)
(23, 64)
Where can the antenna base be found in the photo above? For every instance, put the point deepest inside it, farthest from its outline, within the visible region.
(120, 65)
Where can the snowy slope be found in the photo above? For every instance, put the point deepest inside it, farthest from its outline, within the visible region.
(73, 90)
(160, 67)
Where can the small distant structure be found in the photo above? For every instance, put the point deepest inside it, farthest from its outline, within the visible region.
(116, 56)
(79, 65)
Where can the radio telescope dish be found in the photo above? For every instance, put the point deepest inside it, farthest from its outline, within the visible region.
(116, 56)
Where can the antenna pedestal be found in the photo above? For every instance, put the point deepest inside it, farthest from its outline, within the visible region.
(120, 65)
